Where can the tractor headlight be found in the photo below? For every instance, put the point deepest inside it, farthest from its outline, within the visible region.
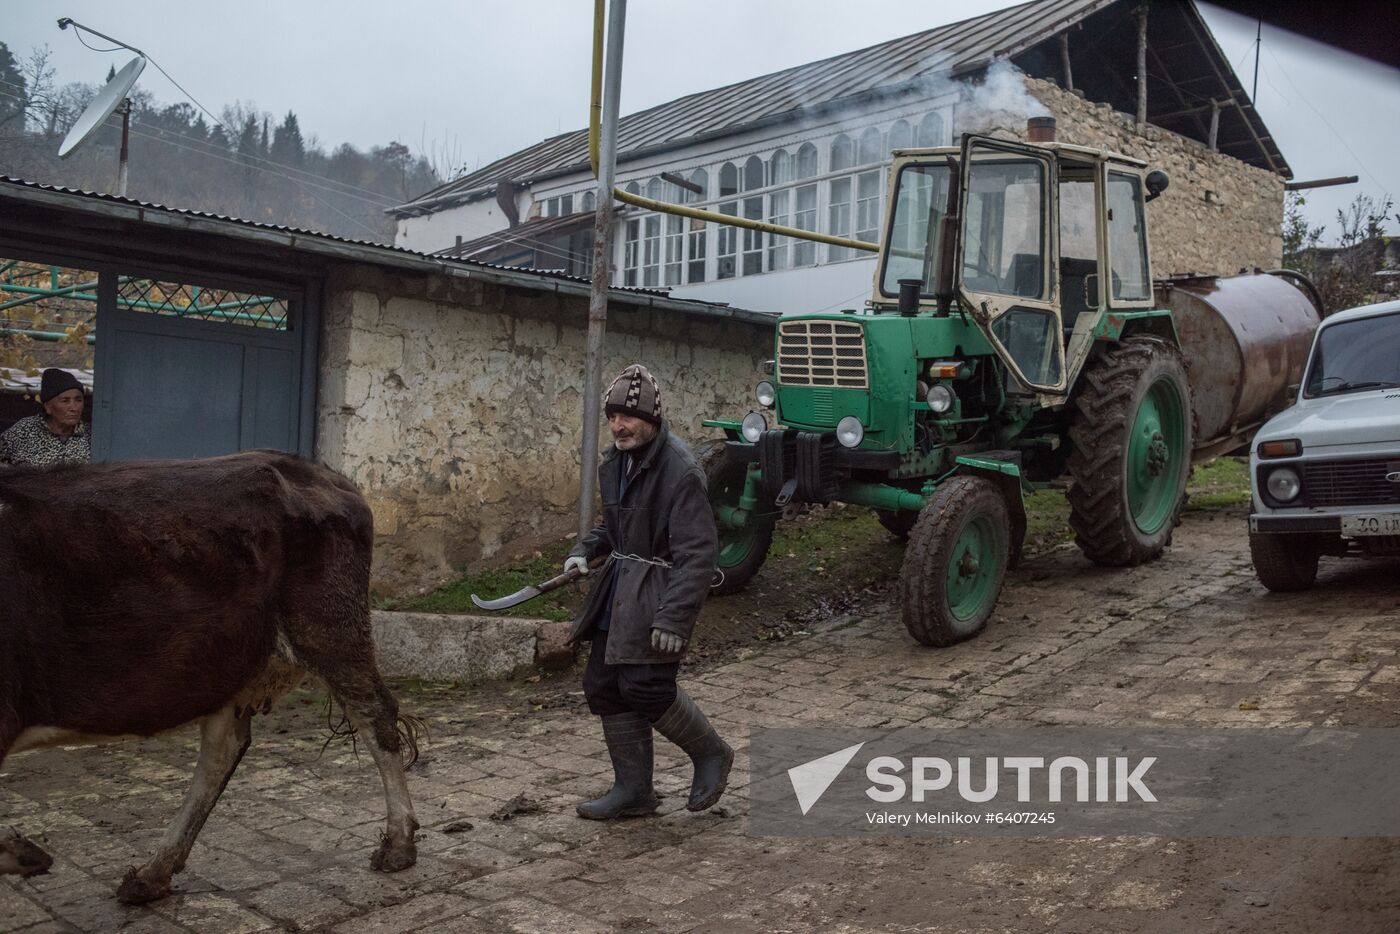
(753, 427)
(940, 399)
(766, 394)
(1283, 485)
(850, 432)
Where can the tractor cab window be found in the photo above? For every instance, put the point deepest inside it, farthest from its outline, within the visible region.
(1030, 338)
(1003, 231)
(1127, 239)
(1079, 251)
(914, 241)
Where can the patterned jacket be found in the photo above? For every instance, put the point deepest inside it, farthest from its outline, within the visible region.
(29, 441)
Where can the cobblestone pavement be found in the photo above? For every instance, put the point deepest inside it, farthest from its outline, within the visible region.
(1185, 641)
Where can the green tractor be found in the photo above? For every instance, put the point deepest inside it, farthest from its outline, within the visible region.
(1013, 337)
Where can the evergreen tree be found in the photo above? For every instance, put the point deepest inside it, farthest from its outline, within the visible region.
(288, 147)
(12, 94)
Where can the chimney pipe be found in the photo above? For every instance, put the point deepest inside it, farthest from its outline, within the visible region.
(1040, 130)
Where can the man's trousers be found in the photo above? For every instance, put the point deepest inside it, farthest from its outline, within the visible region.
(647, 689)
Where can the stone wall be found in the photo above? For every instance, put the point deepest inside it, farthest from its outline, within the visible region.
(454, 406)
(1219, 214)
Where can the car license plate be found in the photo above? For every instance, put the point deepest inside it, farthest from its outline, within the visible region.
(1371, 525)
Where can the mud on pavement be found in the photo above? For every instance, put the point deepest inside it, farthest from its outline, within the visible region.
(1189, 640)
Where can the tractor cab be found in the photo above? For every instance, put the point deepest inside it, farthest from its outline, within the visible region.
(1035, 242)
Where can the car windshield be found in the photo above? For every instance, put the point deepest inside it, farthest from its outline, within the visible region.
(916, 228)
(1354, 356)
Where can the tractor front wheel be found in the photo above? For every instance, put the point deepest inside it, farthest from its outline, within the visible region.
(1131, 452)
(956, 562)
(742, 550)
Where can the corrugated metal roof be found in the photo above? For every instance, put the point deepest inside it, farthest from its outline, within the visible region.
(342, 248)
(951, 49)
(789, 95)
(532, 232)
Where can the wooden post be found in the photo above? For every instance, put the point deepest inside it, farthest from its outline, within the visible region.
(1215, 106)
(1142, 67)
(1064, 61)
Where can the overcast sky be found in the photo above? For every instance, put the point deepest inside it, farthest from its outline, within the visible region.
(468, 82)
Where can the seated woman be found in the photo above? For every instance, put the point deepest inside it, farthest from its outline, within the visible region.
(55, 436)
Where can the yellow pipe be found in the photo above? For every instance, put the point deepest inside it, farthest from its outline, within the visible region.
(595, 106)
(595, 111)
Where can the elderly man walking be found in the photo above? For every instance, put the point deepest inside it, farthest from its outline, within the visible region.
(659, 535)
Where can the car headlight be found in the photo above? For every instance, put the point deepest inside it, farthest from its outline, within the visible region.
(850, 432)
(766, 394)
(753, 427)
(1283, 484)
(940, 399)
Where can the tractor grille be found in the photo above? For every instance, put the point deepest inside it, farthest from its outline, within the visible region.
(1350, 483)
(822, 353)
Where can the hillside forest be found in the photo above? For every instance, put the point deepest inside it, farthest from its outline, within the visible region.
(248, 163)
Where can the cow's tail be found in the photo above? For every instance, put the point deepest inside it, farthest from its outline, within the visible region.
(411, 731)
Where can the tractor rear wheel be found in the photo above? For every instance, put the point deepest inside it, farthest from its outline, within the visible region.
(956, 562)
(1131, 452)
(742, 551)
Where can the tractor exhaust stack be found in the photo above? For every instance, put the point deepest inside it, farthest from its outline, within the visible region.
(1040, 130)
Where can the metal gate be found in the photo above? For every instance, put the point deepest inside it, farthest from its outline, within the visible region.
(187, 369)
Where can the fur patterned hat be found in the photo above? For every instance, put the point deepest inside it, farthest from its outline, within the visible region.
(635, 392)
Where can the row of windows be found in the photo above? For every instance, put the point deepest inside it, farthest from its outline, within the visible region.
(667, 250)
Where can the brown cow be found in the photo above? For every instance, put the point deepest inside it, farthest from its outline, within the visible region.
(135, 598)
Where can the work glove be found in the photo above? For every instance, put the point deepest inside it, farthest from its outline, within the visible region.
(577, 561)
(668, 643)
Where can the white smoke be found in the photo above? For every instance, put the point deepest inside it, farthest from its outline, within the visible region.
(999, 105)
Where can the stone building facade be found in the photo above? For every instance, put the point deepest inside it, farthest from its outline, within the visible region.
(454, 404)
(1218, 216)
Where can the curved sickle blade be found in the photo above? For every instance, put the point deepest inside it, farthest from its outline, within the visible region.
(505, 603)
(529, 593)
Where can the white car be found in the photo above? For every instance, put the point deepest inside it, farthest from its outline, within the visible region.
(1326, 473)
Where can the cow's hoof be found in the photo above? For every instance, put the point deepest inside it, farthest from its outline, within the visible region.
(21, 857)
(138, 891)
(391, 857)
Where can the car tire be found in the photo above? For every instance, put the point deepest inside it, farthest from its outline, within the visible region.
(1282, 563)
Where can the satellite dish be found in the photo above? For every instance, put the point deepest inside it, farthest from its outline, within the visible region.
(106, 101)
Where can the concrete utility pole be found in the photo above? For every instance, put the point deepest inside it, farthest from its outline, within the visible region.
(602, 271)
(1142, 67)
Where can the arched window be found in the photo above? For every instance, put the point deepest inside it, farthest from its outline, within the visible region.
(930, 131)
(633, 188)
(728, 179)
(806, 161)
(842, 153)
(901, 136)
(753, 173)
(700, 179)
(655, 189)
(871, 151)
(590, 201)
(780, 168)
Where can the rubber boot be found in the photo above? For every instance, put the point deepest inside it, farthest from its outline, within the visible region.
(684, 725)
(628, 736)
